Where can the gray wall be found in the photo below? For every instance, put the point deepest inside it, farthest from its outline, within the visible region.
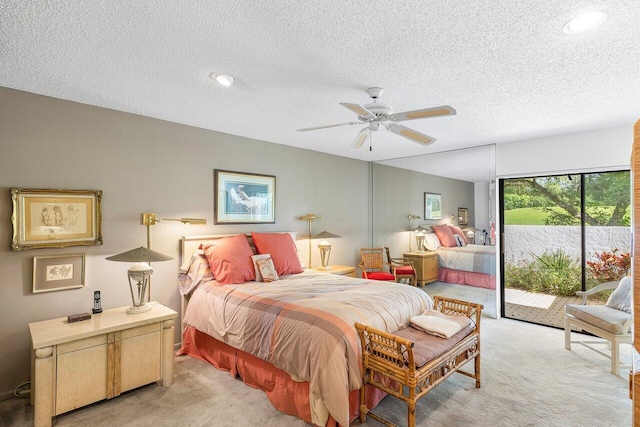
(148, 165)
(399, 192)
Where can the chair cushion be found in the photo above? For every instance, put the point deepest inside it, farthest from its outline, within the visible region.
(601, 316)
(405, 269)
(621, 297)
(427, 347)
(379, 275)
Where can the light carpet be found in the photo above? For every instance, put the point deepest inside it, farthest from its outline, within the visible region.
(528, 379)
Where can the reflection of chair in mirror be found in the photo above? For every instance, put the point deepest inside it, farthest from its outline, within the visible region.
(402, 269)
(610, 321)
(373, 266)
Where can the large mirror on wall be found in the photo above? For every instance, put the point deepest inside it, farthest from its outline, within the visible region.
(462, 182)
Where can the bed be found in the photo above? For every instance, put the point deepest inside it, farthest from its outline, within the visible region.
(460, 262)
(293, 337)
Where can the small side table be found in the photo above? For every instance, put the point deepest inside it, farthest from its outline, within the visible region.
(75, 364)
(341, 270)
(426, 265)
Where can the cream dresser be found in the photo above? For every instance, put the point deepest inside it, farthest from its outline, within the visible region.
(76, 364)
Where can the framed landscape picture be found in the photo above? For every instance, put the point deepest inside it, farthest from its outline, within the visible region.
(244, 198)
(55, 218)
(58, 272)
(432, 206)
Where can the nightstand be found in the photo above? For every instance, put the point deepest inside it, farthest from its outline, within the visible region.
(76, 364)
(426, 265)
(341, 270)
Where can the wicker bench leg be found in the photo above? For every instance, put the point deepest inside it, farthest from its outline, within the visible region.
(363, 404)
(411, 414)
(476, 367)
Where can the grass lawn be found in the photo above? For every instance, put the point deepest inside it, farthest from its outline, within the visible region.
(532, 216)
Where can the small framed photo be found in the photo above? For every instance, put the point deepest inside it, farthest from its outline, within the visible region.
(244, 198)
(463, 217)
(55, 218)
(432, 206)
(58, 272)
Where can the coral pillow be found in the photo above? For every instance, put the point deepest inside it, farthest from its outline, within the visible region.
(230, 260)
(282, 249)
(459, 232)
(445, 235)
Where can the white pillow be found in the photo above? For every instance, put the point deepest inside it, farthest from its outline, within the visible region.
(431, 242)
(621, 297)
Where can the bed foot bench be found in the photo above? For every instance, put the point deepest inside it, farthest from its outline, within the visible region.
(410, 363)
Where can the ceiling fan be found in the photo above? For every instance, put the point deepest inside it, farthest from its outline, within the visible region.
(381, 113)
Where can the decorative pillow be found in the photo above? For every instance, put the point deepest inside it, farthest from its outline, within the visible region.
(621, 297)
(255, 259)
(267, 270)
(445, 235)
(193, 272)
(431, 242)
(458, 232)
(459, 241)
(230, 260)
(282, 249)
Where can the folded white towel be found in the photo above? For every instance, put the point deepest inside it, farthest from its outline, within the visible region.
(436, 323)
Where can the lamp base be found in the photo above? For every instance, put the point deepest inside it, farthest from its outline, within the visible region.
(328, 267)
(139, 309)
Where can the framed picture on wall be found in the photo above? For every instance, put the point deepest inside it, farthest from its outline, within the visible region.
(58, 272)
(463, 217)
(432, 206)
(55, 218)
(244, 198)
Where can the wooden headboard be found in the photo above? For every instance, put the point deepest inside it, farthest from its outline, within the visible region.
(189, 244)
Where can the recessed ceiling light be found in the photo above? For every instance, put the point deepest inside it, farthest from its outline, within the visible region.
(223, 79)
(585, 22)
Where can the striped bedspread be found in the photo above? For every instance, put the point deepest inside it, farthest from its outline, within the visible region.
(474, 258)
(304, 325)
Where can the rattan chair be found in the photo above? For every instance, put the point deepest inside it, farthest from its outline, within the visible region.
(402, 269)
(373, 266)
(603, 321)
(392, 364)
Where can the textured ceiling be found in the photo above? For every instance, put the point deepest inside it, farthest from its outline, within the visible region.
(508, 69)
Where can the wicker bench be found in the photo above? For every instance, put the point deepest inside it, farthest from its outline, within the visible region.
(410, 363)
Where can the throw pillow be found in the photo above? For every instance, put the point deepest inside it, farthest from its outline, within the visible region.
(282, 249)
(230, 260)
(621, 297)
(267, 270)
(457, 231)
(445, 235)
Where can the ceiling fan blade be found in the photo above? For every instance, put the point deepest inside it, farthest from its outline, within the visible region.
(329, 126)
(359, 110)
(361, 138)
(411, 134)
(425, 113)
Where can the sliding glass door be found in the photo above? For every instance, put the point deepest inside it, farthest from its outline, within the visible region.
(561, 234)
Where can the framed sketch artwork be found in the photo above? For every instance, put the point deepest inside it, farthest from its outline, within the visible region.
(55, 218)
(463, 217)
(244, 198)
(58, 272)
(432, 206)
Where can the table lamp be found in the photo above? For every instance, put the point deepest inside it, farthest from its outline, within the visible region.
(325, 248)
(420, 233)
(139, 274)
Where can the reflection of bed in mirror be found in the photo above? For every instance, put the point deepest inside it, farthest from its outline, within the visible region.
(294, 338)
(460, 262)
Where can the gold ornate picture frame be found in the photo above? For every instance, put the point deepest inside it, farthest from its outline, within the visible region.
(55, 218)
(58, 272)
